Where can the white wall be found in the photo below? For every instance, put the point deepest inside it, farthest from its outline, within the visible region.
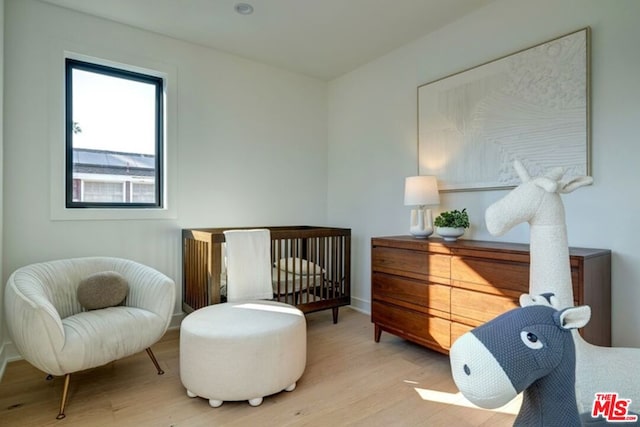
(250, 139)
(372, 136)
(3, 345)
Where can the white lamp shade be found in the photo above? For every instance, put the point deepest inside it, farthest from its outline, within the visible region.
(421, 191)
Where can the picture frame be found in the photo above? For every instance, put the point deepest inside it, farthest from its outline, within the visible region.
(532, 105)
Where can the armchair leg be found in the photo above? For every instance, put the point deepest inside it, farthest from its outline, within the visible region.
(153, 359)
(65, 391)
(67, 378)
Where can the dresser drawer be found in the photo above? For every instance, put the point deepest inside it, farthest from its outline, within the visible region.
(459, 329)
(411, 293)
(512, 278)
(416, 264)
(412, 325)
(475, 308)
(471, 272)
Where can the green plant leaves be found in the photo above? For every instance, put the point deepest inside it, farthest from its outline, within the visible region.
(453, 218)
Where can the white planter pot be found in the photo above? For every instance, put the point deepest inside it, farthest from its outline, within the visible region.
(450, 234)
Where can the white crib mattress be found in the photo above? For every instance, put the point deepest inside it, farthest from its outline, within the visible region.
(289, 282)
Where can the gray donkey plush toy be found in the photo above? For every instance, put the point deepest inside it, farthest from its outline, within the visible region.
(528, 349)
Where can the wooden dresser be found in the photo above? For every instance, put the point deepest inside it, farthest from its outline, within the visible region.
(431, 292)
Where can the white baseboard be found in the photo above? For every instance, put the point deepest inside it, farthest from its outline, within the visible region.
(363, 306)
(176, 319)
(3, 360)
(8, 353)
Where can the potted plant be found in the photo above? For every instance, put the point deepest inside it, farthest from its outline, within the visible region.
(451, 224)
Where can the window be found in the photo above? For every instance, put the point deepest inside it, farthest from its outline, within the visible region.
(114, 137)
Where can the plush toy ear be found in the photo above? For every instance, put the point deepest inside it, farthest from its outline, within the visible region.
(548, 185)
(581, 181)
(548, 299)
(521, 171)
(555, 174)
(526, 300)
(573, 317)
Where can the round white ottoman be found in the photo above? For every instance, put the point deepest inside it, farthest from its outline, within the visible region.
(242, 351)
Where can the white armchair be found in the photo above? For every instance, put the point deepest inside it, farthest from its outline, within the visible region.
(55, 334)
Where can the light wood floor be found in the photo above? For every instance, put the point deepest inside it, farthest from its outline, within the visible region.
(349, 381)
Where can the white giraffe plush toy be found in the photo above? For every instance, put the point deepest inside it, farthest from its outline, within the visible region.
(537, 201)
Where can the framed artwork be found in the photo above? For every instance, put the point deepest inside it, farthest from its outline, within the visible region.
(532, 105)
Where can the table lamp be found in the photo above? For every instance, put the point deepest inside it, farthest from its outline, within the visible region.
(421, 191)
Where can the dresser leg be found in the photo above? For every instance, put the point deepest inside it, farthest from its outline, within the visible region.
(377, 332)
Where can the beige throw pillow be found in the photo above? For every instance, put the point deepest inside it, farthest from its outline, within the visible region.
(103, 289)
(299, 266)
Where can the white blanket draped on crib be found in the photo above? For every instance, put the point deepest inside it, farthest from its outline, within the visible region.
(248, 264)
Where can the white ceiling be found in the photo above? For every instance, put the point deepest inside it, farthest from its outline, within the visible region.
(319, 38)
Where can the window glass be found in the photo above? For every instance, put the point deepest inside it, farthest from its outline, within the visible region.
(114, 137)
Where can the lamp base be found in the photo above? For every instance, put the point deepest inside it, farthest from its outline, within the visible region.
(421, 227)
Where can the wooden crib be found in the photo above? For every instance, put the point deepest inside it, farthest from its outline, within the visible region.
(311, 267)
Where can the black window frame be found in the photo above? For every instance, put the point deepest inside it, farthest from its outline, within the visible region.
(158, 82)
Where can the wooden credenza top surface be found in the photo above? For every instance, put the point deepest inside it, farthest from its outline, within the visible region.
(461, 246)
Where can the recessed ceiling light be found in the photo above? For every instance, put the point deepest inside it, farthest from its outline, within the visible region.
(244, 8)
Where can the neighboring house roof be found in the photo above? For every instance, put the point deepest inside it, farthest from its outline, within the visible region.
(113, 162)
